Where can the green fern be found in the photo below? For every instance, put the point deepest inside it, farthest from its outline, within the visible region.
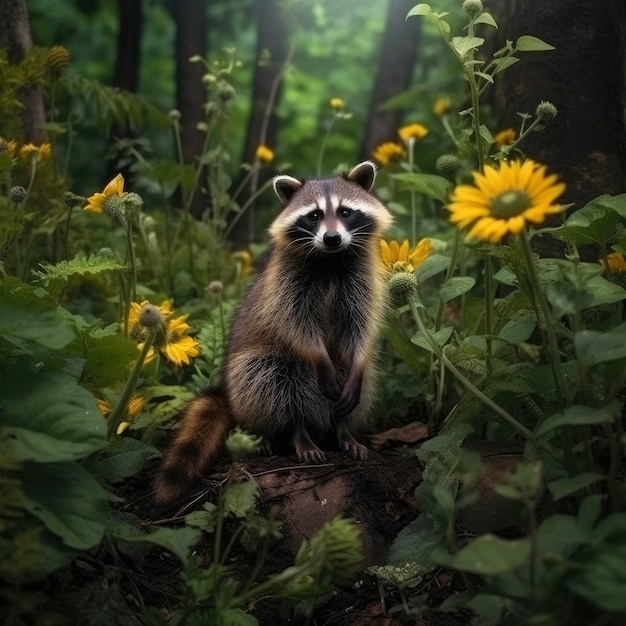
(55, 277)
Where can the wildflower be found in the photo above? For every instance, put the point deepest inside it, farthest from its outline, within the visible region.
(58, 59)
(264, 154)
(412, 131)
(442, 106)
(8, 146)
(505, 137)
(172, 342)
(114, 187)
(215, 287)
(150, 315)
(17, 194)
(402, 284)
(243, 261)
(388, 151)
(30, 150)
(545, 111)
(135, 406)
(503, 199)
(398, 258)
(174, 115)
(225, 91)
(617, 262)
(337, 104)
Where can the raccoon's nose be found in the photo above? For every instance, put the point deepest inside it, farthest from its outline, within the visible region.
(332, 238)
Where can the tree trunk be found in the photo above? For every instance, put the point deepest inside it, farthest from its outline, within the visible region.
(272, 38)
(16, 38)
(584, 78)
(127, 63)
(191, 39)
(394, 75)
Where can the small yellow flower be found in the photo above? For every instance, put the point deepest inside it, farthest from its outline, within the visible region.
(114, 187)
(243, 260)
(503, 199)
(398, 257)
(337, 104)
(30, 150)
(442, 106)
(412, 131)
(505, 137)
(617, 262)
(388, 151)
(58, 59)
(10, 146)
(264, 154)
(135, 406)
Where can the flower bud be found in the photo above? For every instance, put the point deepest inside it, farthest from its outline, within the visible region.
(473, 8)
(448, 165)
(215, 287)
(226, 92)
(546, 111)
(71, 199)
(150, 315)
(402, 284)
(58, 59)
(174, 115)
(17, 194)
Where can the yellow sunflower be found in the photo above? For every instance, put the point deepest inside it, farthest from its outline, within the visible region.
(179, 347)
(135, 406)
(337, 104)
(114, 187)
(503, 199)
(399, 258)
(10, 146)
(264, 154)
(505, 137)
(389, 151)
(412, 131)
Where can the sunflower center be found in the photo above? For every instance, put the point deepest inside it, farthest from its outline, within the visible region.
(509, 204)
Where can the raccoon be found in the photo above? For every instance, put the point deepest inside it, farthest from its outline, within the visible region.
(300, 358)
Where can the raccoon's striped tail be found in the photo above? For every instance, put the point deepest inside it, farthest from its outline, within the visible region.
(204, 426)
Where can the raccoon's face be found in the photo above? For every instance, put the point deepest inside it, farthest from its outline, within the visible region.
(329, 215)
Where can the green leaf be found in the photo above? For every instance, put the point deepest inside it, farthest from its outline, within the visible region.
(566, 299)
(430, 185)
(560, 534)
(179, 541)
(528, 43)
(464, 45)
(67, 500)
(416, 542)
(504, 63)
(434, 264)
(486, 18)
(487, 555)
(124, 457)
(441, 337)
(48, 417)
(26, 313)
(240, 498)
(204, 520)
(564, 487)
(435, 18)
(518, 329)
(456, 286)
(601, 347)
(579, 415)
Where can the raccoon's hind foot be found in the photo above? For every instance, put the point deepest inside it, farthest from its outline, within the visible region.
(349, 444)
(306, 450)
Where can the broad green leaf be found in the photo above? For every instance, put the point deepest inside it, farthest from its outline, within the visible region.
(565, 299)
(397, 337)
(456, 286)
(528, 43)
(560, 534)
(416, 542)
(488, 606)
(124, 457)
(518, 329)
(589, 512)
(579, 415)
(204, 520)
(179, 541)
(487, 555)
(504, 63)
(240, 498)
(486, 18)
(431, 185)
(600, 577)
(564, 487)
(422, 9)
(25, 312)
(601, 347)
(435, 18)
(463, 45)
(48, 417)
(67, 500)
(434, 264)
(441, 337)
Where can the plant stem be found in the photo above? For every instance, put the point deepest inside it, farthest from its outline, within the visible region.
(320, 157)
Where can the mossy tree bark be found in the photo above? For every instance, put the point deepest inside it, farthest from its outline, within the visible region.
(584, 77)
(16, 38)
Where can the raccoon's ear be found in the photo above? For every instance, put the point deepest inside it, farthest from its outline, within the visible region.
(285, 187)
(363, 174)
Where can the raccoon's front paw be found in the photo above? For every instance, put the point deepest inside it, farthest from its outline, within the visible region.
(327, 380)
(348, 399)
